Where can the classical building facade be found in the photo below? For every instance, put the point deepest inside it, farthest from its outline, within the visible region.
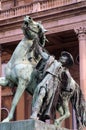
(65, 21)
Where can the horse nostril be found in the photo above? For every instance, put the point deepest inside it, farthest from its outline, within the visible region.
(26, 23)
(70, 89)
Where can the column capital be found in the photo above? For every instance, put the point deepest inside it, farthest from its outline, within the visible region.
(81, 32)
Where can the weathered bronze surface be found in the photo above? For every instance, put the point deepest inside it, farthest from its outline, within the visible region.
(19, 70)
(31, 68)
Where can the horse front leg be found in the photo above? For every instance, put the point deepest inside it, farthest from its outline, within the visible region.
(65, 113)
(20, 89)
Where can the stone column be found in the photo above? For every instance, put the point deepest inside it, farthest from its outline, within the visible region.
(81, 32)
(0, 5)
(0, 86)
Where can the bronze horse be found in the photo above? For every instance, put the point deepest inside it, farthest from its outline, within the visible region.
(21, 65)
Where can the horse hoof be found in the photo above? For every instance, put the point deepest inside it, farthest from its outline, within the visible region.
(56, 123)
(5, 120)
(34, 117)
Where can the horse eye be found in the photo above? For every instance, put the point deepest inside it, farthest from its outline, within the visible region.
(38, 26)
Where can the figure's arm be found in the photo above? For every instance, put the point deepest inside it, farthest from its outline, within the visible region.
(67, 80)
(43, 54)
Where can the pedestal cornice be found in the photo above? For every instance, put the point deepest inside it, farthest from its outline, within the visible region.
(29, 125)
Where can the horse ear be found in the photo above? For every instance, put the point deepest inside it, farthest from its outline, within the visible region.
(40, 22)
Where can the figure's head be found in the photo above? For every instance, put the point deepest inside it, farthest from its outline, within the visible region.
(66, 59)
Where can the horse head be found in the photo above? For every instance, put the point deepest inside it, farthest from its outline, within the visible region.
(32, 29)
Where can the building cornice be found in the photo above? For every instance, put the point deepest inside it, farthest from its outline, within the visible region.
(57, 12)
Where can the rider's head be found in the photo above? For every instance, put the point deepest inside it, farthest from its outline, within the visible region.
(66, 59)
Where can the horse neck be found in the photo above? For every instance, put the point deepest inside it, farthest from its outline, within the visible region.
(22, 51)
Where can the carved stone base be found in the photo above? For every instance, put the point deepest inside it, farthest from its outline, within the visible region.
(28, 125)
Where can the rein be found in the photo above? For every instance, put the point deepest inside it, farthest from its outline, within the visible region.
(32, 30)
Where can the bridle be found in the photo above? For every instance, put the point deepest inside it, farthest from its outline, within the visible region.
(32, 30)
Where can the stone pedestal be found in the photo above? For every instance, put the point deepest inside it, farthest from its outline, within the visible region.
(28, 125)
